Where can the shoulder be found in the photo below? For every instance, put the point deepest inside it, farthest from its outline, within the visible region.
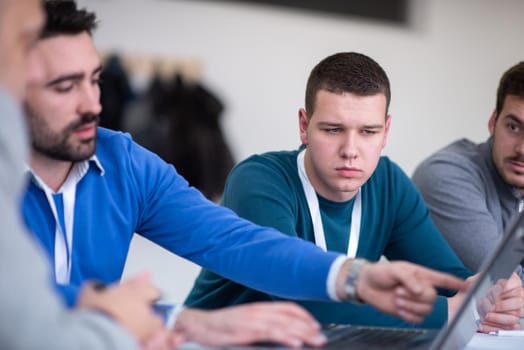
(272, 173)
(278, 162)
(388, 169)
(117, 152)
(458, 159)
(110, 143)
(116, 146)
(107, 138)
(455, 154)
(389, 179)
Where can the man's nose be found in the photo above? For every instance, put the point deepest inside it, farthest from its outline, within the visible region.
(90, 100)
(349, 147)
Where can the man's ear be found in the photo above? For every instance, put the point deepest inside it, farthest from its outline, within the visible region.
(303, 123)
(386, 130)
(492, 121)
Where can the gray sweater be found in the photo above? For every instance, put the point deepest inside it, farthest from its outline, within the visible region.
(31, 315)
(469, 202)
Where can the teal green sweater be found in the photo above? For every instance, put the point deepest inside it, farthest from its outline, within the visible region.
(395, 223)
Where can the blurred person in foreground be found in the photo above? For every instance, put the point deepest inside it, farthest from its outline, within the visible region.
(33, 316)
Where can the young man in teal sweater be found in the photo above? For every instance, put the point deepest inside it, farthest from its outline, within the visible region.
(338, 192)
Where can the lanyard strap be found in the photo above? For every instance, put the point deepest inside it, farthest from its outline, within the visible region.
(314, 211)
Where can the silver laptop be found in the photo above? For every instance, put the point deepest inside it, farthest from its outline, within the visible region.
(457, 334)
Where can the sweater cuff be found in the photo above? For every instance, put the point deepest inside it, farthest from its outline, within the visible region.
(334, 270)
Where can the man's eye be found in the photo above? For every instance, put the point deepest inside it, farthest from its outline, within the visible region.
(513, 127)
(64, 87)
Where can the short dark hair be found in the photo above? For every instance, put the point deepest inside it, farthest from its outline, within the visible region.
(511, 83)
(347, 72)
(63, 17)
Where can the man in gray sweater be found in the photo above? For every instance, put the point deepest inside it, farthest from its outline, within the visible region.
(474, 190)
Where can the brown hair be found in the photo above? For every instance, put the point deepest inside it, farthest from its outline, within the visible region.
(511, 83)
(347, 72)
(63, 17)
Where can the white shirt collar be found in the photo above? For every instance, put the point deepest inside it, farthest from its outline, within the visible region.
(76, 174)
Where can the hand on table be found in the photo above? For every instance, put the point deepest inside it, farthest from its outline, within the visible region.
(503, 306)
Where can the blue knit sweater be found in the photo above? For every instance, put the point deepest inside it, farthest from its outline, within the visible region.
(138, 192)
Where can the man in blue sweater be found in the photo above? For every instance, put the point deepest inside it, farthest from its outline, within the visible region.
(338, 192)
(91, 189)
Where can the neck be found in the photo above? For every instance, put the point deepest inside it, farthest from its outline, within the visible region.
(52, 172)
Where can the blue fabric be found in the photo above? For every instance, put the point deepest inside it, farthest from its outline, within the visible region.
(141, 193)
(395, 222)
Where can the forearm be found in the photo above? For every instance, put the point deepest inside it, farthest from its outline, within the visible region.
(364, 314)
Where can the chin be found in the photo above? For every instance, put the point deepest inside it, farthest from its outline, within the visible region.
(82, 155)
(515, 180)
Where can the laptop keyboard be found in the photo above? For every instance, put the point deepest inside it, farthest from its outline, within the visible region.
(371, 337)
(355, 337)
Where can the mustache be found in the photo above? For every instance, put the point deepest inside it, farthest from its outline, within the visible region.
(82, 121)
(518, 158)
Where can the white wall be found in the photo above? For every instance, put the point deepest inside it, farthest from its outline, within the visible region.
(444, 70)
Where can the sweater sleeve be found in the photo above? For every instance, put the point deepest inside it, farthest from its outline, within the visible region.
(179, 218)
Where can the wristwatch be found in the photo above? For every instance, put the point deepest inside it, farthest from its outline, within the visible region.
(350, 287)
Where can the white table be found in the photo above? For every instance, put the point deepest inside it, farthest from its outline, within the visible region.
(491, 342)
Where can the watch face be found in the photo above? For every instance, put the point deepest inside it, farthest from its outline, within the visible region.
(350, 287)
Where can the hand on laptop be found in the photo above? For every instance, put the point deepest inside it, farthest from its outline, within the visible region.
(503, 306)
(403, 289)
(280, 322)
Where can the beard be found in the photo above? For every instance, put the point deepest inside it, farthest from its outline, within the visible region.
(58, 145)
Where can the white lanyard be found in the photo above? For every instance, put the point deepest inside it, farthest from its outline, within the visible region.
(314, 211)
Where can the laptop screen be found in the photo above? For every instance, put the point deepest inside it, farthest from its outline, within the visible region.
(478, 301)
